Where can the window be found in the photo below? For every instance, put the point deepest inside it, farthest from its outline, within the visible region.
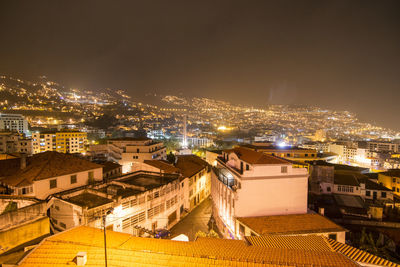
(73, 179)
(247, 167)
(394, 180)
(368, 193)
(394, 188)
(63, 225)
(332, 236)
(283, 169)
(328, 189)
(91, 176)
(306, 155)
(288, 155)
(53, 183)
(383, 194)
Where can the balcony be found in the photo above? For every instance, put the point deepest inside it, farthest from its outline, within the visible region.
(225, 177)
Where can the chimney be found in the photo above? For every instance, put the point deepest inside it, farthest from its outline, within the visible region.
(81, 258)
(321, 211)
(23, 161)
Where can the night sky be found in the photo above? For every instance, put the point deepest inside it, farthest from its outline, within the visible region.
(335, 54)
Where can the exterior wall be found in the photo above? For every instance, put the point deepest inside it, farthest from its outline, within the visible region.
(211, 158)
(65, 215)
(23, 233)
(379, 196)
(390, 182)
(42, 189)
(278, 196)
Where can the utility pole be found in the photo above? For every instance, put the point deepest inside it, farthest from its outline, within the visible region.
(105, 237)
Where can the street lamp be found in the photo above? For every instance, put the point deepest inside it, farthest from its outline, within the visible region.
(105, 239)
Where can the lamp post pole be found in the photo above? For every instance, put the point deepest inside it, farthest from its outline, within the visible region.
(105, 240)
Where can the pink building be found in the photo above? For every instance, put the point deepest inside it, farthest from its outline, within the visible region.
(246, 183)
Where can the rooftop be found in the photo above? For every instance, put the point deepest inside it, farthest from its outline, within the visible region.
(162, 165)
(189, 165)
(89, 200)
(392, 172)
(126, 250)
(347, 178)
(290, 224)
(42, 166)
(147, 180)
(253, 157)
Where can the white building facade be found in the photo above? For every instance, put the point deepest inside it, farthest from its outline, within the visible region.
(246, 183)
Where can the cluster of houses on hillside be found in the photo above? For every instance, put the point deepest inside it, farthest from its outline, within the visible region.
(257, 197)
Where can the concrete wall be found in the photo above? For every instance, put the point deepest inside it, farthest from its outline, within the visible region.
(42, 189)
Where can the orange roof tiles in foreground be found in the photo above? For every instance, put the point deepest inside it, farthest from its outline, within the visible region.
(290, 224)
(126, 250)
(254, 157)
(359, 255)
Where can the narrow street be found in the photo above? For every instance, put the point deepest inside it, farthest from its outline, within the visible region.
(195, 221)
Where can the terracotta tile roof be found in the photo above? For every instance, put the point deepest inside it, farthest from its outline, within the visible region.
(290, 224)
(125, 250)
(308, 242)
(359, 255)
(109, 166)
(254, 157)
(162, 165)
(189, 165)
(42, 166)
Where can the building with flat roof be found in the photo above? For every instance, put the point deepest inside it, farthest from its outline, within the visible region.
(14, 142)
(60, 141)
(140, 203)
(13, 122)
(129, 151)
(247, 183)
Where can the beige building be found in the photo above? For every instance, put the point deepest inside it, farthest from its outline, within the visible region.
(129, 151)
(13, 142)
(47, 173)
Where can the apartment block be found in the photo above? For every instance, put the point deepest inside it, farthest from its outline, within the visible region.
(129, 151)
(13, 142)
(13, 123)
(60, 141)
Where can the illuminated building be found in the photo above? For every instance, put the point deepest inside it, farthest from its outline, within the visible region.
(60, 141)
(246, 183)
(391, 180)
(13, 122)
(128, 151)
(383, 146)
(141, 202)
